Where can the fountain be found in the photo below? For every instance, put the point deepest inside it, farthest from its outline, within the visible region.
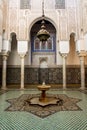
(43, 88)
(44, 100)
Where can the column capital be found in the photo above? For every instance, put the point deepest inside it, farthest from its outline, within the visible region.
(82, 53)
(64, 55)
(22, 55)
(4, 53)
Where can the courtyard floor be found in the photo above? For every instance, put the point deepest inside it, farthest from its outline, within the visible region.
(64, 119)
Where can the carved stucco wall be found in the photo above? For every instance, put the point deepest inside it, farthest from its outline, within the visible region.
(5, 17)
(67, 20)
(72, 58)
(85, 16)
(70, 19)
(20, 21)
(1, 23)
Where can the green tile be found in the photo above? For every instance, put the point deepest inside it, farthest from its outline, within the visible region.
(63, 120)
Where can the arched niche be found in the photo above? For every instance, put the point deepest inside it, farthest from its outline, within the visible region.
(13, 58)
(39, 19)
(40, 49)
(43, 62)
(72, 58)
(85, 44)
(13, 40)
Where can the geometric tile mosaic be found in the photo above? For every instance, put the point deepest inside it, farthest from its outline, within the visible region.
(62, 120)
(21, 104)
(36, 75)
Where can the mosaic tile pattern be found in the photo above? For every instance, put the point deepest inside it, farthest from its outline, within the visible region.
(21, 104)
(13, 75)
(3, 91)
(63, 120)
(51, 75)
(84, 91)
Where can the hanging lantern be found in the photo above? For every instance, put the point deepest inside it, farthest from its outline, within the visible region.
(43, 34)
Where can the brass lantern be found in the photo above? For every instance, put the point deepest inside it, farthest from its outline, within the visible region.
(43, 34)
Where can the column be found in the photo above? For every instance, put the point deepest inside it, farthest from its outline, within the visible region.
(4, 57)
(82, 55)
(22, 70)
(64, 70)
(1, 23)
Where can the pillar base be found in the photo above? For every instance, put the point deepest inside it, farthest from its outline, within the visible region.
(82, 88)
(22, 88)
(64, 88)
(4, 88)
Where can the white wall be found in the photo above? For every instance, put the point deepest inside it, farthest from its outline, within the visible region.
(0, 60)
(29, 16)
(36, 57)
(1, 21)
(0, 43)
(13, 58)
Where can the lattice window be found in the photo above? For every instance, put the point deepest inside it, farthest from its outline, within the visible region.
(37, 44)
(60, 4)
(25, 4)
(45, 45)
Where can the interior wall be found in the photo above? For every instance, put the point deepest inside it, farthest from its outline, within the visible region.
(86, 60)
(50, 59)
(0, 60)
(39, 53)
(72, 58)
(13, 58)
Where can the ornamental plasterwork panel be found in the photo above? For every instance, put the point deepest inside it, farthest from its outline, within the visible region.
(13, 20)
(59, 4)
(62, 12)
(22, 35)
(71, 3)
(72, 20)
(85, 18)
(18, 20)
(63, 28)
(5, 14)
(22, 29)
(13, 3)
(49, 4)
(22, 14)
(25, 4)
(0, 29)
(0, 22)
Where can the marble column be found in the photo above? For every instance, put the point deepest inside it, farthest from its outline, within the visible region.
(22, 70)
(82, 55)
(4, 67)
(64, 70)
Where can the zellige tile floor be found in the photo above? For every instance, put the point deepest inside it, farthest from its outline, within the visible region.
(62, 120)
